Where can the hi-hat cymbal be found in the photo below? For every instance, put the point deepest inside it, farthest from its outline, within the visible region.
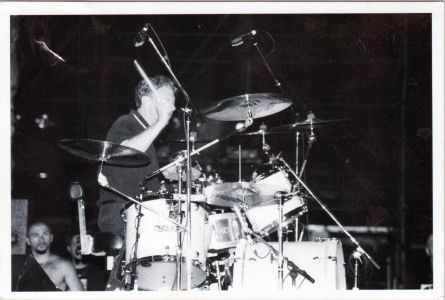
(172, 174)
(229, 194)
(238, 108)
(265, 132)
(106, 152)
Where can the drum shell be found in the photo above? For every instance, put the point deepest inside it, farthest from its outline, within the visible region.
(158, 238)
(323, 261)
(264, 217)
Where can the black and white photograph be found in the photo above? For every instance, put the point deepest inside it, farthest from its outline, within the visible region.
(230, 149)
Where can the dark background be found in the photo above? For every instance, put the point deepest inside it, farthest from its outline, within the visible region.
(372, 69)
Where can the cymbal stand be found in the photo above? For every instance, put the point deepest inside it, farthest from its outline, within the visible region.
(239, 164)
(297, 160)
(297, 147)
(312, 139)
(280, 197)
(330, 214)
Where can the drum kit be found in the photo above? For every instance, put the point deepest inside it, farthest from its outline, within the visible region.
(208, 234)
(230, 221)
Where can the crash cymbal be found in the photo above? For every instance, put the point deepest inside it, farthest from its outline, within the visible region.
(229, 194)
(172, 174)
(310, 122)
(106, 152)
(184, 141)
(238, 108)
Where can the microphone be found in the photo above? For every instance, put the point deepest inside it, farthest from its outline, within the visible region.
(293, 268)
(141, 36)
(239, 40)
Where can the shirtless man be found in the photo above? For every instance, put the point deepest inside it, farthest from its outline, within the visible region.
(59, 270)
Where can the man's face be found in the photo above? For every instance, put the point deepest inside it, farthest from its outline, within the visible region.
(39, 238)
(165, 95)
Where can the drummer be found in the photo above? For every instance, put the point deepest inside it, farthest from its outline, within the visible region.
(137, 130)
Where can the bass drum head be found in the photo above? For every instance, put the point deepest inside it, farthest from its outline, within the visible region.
(256, 268)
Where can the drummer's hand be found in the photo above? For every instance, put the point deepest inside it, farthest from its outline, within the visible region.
(165, 105)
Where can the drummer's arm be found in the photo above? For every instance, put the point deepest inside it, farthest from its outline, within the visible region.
(143, 140)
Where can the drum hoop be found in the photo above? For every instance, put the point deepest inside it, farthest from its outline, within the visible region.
(171, 258)
(266, 174)
(166, 196)
(164, 258)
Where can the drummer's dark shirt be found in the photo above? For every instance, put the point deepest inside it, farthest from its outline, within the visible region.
(125, 179)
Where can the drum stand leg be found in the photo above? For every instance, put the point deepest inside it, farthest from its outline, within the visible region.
(280, 242)
(218, 274)
(179, 234)
(357, 254)
(134, 274)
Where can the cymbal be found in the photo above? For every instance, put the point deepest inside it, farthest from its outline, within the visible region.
(172, 174)
(184, 141)
(237, 108)
(310, 122)
(229, 194)
(265, 132)
(106, 152)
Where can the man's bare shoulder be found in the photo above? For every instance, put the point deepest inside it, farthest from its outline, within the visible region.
(61, 262)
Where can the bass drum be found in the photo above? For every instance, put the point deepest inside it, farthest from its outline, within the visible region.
(157, 244)
(256, 268)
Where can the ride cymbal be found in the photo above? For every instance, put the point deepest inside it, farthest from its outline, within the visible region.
(239, 108)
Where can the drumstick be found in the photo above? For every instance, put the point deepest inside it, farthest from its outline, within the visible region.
(145, 77)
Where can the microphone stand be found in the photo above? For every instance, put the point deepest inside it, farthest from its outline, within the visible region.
(330, 214)
(187, 112)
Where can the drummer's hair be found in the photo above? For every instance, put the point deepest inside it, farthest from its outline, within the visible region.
(143, 89)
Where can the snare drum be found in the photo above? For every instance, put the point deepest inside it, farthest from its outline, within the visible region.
(264, 217)
(274, 177)
(157, 244)
(256, 268)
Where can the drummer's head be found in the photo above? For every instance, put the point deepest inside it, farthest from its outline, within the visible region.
(143, 90)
